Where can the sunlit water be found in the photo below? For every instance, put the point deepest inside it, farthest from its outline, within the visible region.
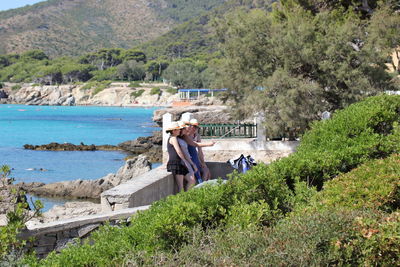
(39, 125)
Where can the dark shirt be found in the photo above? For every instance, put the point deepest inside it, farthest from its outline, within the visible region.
(173, 155)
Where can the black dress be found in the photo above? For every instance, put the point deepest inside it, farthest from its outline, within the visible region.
(175, 165)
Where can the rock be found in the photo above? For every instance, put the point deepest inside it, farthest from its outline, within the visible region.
(150, 146)
(132, 168)
(117, 94)
(10, 196)
(90, 189)
(3, 220)
(70, 147)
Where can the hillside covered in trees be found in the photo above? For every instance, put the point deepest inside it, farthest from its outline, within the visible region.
(73, 27)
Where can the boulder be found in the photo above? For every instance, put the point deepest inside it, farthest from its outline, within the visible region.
(90, 189)
(150, 146)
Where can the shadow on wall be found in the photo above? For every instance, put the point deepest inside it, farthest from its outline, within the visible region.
(151, 186)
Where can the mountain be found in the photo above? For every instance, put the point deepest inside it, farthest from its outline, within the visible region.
(196, 36)
(74, 27)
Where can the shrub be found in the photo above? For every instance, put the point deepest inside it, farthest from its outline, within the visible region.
(374, 185)
(303, 240)
(168, 224)
(12, 247)
(1, 85)
(134, 84)
(172, 91)
(374, 242)
(16, 87)
(104, 75)
(137, 93)
(364, 131)
(96, 86)
(347, 229)
(155, 91)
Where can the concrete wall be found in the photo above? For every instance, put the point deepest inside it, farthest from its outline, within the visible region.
(58, 235)
(151, 186)
(142, 190)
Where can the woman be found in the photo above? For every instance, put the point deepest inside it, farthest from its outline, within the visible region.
(176, 160)
(191, 166)
(195, 151)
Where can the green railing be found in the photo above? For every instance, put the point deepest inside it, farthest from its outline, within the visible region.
(228, 130)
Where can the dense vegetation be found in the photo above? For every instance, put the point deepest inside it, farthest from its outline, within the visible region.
(106, 64)
(307, 57)
(263, 214)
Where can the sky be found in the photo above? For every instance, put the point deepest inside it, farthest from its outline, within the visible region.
(8, 4)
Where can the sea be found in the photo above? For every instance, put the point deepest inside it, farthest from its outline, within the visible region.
(37, 125)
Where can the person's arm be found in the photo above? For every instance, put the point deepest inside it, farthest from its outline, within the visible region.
(201, 157)
(190, 141)
(200, 151)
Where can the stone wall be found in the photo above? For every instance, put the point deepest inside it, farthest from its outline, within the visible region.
(58, 235)
(151, 186)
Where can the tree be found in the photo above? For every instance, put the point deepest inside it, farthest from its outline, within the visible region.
(176, 50)
(155, 68)
(131, 71)
(104, 58)
(49, 75)
(35, 55)
(74, 72)
(183, 73)
(134, 54)
(293, 64)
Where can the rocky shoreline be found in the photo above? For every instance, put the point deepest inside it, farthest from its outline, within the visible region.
(150, 146)
(71, 147)
(89, 189)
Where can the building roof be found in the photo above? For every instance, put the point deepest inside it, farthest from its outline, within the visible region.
(202, 90)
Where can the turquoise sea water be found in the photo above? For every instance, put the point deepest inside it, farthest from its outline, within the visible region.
(38, 125)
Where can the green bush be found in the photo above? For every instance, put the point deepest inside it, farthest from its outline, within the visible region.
(155, 91)
(1, 85)
(374, 242)
(305, 240)
(168, 224)
(16, 87)
(374, 185)
(348, 228)
(12, 247)
(172, 91)
(137, 93)
(363, 131)
(96, 86)
(104, 75)
(134, 84)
